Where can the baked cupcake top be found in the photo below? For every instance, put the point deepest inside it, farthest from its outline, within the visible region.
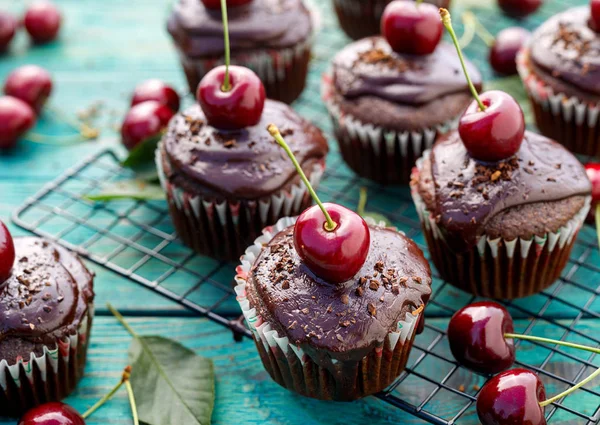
(566, 52)
(347, 319)
(44, 300)
(243, 164)
(421, 90)
(536, 191)
(260, 24)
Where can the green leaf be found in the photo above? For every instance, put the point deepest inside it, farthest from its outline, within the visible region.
(377, 217)
(172, 385)
(128, 189)
(514, 87)
(142, 154)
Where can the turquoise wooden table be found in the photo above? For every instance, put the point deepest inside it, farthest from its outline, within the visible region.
(104, 50)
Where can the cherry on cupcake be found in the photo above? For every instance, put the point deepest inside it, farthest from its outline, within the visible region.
(7, 253)
(42, 21)
(52, 414)
(493, 126)
(16, 119)
(595, 15)
(519, 8)
(158, 91)
(411, 27)
(143, 121)
(30, 83)
(331, 240)
(503, 53)
(8, 27)
(512, 397)
(216, 4)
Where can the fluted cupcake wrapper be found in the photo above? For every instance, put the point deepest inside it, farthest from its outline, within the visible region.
(224, 229)
(294, 368)
(566, 119)
(500, 268)
(51, 376)
(380, 154)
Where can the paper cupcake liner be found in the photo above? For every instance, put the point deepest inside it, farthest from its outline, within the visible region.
(566, 119)
(499, 268)
(223, 229)
(293, 368)
(52, 376)
(377, 153)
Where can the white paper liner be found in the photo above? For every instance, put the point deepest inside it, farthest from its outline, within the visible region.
(21, 372)
(264, 333)
(535, 246)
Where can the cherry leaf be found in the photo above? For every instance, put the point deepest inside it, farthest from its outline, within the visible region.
(142, 154)
(128, 189)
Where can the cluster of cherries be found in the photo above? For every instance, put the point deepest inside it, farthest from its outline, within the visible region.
(26, 91)
(41, 21)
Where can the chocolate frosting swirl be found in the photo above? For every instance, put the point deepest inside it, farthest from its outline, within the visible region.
(370, 67)
(45, 298)
(347, 320)
(468, 193)
(260, 24)
(568, 49)
(243, 164)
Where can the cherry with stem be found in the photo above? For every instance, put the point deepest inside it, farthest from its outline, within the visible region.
(332, 241)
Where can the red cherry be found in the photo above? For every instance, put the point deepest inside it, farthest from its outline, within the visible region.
(8, 27)
(476, 337)
(42, 21)
(593, 173)
(143, 121)
(158, 91)
(7, 253)
(595, 15)
(31, 84)
(412, 28)
(496, 133)
(512, 398)
(52, 414)
(216, 4)
(503, 53)
(334, 256)
(241, 106)
(519, 8)
(16, 119)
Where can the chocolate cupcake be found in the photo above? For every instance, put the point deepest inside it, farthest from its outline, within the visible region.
(333, 341)
(360, 18)
(560, 70)
(46, 310)
(224, 187)
(273, 38)
(387, 107)
(502, 230)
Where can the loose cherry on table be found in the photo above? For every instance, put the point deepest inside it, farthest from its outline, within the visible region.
(503, 53)
(16, 119)
(52, 414)
(8, 27)
(411, 27)
(30, 83)
(158, 91)
(593, 173)
(42, 21)
(7, 253)
(331, 240)
(216, 4)
(519, 8)
(144, 120)
(493, 126)
(595, 15)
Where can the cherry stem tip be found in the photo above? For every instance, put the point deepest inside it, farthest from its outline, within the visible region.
(124, 379)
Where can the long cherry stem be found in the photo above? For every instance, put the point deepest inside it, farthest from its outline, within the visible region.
(447, 21)
(226, 84)
(570, 390)
(134, 412)
(330, 225)
(100, 403)
(552, 341)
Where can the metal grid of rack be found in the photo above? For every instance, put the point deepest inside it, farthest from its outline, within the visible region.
(136, 239)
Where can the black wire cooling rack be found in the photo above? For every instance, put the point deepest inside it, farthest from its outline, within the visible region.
(136, 239)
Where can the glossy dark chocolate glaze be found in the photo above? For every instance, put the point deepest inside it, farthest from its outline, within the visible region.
(568, 49)
(467, 194)
(261, 24)
(243, 164)
(369, 67)
(318, 315)
(44, 300)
